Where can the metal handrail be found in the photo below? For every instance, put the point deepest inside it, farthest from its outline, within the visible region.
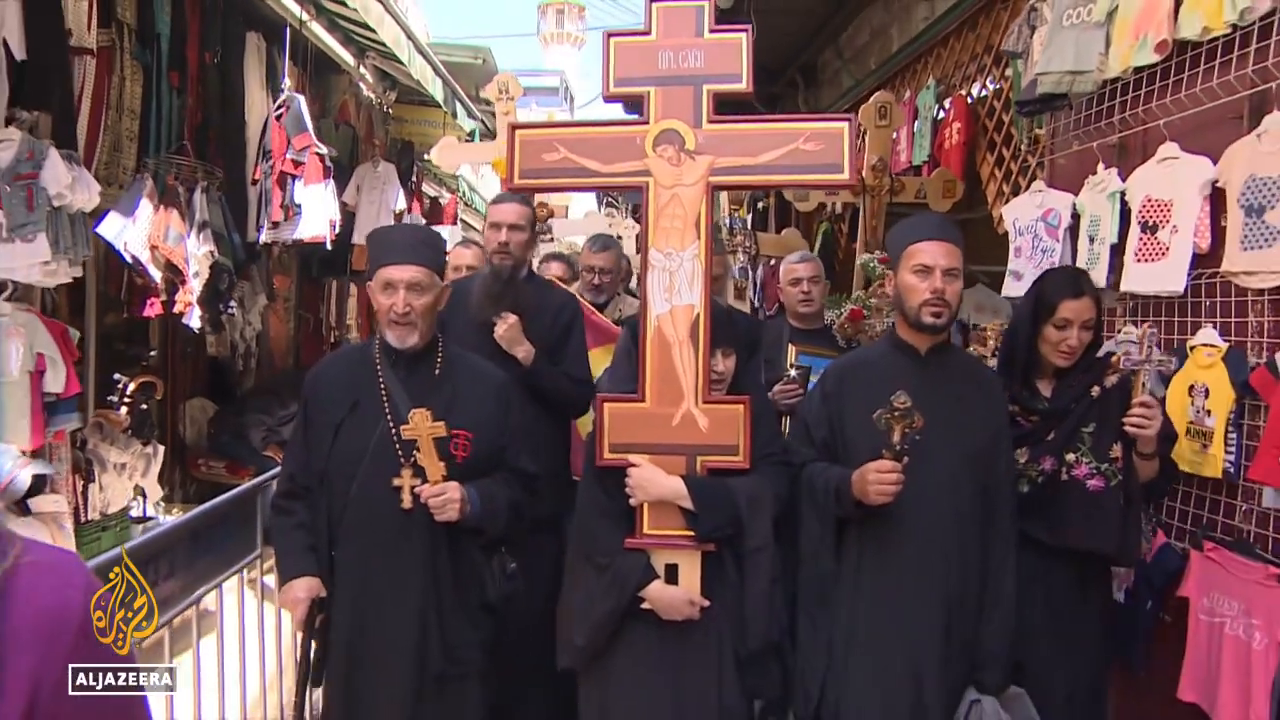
(214, 579)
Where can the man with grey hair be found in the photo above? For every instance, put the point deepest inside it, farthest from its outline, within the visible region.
(800, 329)
(600, 275)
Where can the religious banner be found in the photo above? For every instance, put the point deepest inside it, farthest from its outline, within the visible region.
(678, 153)
(602, 336)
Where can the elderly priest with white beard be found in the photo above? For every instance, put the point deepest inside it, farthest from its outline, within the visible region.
(403, 472)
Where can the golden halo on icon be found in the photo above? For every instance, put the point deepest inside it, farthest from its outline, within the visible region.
(685, 131)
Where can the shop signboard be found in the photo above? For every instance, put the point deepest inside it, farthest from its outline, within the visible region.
(424, 126)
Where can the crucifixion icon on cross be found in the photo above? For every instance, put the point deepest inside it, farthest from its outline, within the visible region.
(678, 154)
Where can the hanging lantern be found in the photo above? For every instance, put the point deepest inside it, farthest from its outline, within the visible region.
(562, 24)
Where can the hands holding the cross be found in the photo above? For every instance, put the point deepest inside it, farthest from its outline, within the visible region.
(648, 483)
(1143, 422)
(878, 482)
(508, 332)
(447, 501)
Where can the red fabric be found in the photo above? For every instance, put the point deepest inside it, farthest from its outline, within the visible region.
(70, 354)
(955, 135)
(769, 281)
(1265, 468)
(37, 405)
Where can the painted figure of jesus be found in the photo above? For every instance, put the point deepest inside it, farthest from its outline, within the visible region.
(673, 274)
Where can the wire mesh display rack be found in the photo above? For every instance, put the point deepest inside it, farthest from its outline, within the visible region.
(1204, 96)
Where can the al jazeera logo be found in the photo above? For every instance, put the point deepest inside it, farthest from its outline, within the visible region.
(124, 613)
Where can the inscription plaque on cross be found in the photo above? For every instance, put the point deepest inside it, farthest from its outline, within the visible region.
(678, 154)
(449, 153)
(423, 429)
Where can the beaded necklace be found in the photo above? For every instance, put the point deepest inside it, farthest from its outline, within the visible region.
(406, 481)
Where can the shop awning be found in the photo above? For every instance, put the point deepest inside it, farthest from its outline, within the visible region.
(377, 33)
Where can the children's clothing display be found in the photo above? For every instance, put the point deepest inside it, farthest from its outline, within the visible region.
(1200, 20)
(298, 201)
(1265, 467)
(1099, 207)
(1165, 196)
(376, 196)
(39, 388)
(955, 136)
(1249, 172)
(1233, 634)
(1074, 47)
(1037, 222)
(1141, 33)
(926, 113)
(44, 193)
(1199, 402)
(904, 137)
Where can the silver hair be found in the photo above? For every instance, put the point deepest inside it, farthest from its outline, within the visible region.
(601, 243)
(802, 257)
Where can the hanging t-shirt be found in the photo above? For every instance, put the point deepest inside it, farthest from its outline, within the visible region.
(1141, 33)
(1074, 48)
(1200, 20)
(904, 137)
(1233, 634)
(926, 114)
(980, 305)
(1249, 172)
(376, 195)
(1099, 207)
(954, 136)
(1165, 196)
(1265, 468)
(1199, 402)
(1037, 222)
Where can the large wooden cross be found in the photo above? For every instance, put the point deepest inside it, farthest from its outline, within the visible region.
(449, 153)
(423, 429)
(678, 154)
(880, 117)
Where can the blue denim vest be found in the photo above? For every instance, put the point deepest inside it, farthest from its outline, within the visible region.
(23, 199)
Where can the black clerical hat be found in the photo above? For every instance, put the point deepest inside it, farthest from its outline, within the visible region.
(921, 227)
(406, 245)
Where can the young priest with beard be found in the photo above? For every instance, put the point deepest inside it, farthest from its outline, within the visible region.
(906, 588)
(532, 330)
(686, 657)
(405, 567)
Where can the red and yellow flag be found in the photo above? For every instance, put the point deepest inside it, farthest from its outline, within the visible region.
(602, 336)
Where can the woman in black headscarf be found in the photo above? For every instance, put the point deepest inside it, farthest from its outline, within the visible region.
(643, 648)
(1086, 449)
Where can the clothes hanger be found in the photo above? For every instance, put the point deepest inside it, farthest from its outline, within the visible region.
(1102, 167)
(1169, 149)
(1240, 546)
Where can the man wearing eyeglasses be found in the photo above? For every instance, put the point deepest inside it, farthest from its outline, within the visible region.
(600, 275)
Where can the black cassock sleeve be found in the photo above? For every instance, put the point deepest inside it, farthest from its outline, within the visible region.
(502, 496)
(814, 444)
(603, 579)
(296, 504)
(993, 666)
(559, 376)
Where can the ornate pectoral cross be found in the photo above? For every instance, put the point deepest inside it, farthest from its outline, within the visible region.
(900, 420)
(423, 429)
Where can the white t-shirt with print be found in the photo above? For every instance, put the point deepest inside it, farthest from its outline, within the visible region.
(376, 195)
(1249, 172)
(1099, 207)
(1165, 195)
(1037, 222)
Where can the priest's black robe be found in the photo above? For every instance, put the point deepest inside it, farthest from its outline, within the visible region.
(411, 603)
(559, 388)
(901, 607)
(633, 665)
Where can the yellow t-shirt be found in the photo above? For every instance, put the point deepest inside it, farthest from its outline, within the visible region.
(1199, 402)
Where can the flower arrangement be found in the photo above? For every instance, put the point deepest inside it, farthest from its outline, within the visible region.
(848, 315)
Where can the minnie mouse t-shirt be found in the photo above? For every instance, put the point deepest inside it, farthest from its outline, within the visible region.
(1165, 195)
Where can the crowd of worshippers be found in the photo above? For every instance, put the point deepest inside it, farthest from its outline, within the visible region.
(916, 538)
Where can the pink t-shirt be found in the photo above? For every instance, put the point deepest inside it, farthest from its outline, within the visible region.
(1233, 634)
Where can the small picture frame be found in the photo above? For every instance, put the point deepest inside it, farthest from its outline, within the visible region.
(817, 359)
